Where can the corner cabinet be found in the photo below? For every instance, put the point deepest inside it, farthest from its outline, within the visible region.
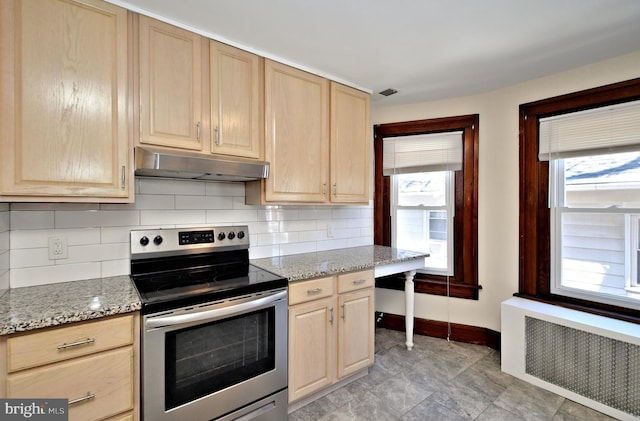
(64, 133)
(331, 331)
(317, 140)
(92, 364)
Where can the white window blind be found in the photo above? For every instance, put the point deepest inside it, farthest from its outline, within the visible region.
(598, 131)
(422, 153)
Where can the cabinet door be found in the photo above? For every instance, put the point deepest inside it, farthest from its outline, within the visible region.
(311, 347)
(63, 87)
(235, 101)
(351, 151)
(355, 331)
(297, 134)
(170, 85)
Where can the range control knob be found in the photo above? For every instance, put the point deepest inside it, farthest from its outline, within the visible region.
(221, 236)
(144, 241)
(157, 240)
(240, 235)
(231, 235)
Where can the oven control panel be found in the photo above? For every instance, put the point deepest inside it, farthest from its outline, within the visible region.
(168, 241)
(196, 237)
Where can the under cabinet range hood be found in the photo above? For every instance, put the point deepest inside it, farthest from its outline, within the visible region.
(153, 162)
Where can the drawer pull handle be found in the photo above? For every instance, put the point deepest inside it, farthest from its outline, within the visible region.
(314, 291)
(72, 344)
(87, 397)
(359, 281)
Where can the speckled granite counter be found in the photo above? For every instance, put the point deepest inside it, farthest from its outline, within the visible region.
(28, 308)
(298, 267)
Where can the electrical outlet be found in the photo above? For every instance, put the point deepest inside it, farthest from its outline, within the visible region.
(329, 231)
(57, 248)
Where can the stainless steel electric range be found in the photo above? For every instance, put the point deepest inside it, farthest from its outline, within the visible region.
(214, 327)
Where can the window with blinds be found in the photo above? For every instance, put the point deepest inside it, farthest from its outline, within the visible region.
(422, 210)
(594, 197)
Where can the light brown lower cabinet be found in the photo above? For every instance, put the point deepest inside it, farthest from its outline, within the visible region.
(331, 331)
(92, 364)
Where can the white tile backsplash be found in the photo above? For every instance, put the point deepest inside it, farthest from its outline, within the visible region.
(157, 218)
(96, 218)
(98, 235)
(35, 219)
(5, 241)
(24, 277)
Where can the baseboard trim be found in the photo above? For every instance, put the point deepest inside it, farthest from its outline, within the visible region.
(459, 332)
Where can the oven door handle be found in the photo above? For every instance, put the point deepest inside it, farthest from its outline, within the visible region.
(215, 313)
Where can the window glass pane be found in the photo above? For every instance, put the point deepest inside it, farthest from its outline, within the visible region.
(414, 232)
(595, 247)
(422, 189)
(603, 181)
(593, 251)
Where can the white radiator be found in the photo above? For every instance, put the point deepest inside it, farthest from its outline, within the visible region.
(589, 359)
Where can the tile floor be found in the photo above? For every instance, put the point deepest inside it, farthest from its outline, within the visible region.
(439, 380)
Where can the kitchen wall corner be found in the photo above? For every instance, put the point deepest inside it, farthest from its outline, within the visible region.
(97, 235)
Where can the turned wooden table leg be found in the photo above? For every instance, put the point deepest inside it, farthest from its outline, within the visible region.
(409, 307)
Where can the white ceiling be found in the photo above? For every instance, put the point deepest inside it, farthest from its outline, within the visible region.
(426, 49)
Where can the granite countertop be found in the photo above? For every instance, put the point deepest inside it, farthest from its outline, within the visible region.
(28, 308)
(297, 267)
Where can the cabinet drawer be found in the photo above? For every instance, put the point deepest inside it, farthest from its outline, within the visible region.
(67, 342)
(122, 417)
(107, 376)
(355, 280)
(301, 292)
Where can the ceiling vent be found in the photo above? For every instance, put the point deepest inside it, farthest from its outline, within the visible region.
(388, 92)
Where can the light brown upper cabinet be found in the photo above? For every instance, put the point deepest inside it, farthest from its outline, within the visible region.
(236, 113)
(351, 149)
(64, 133)
(171, 86)
(296, 135)
(316, 140)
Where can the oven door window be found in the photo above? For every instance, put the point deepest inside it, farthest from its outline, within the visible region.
(206, 358)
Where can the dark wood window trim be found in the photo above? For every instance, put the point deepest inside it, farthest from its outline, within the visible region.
(535, 255)
(464, 282)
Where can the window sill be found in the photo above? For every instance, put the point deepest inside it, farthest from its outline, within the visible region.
(618, 313)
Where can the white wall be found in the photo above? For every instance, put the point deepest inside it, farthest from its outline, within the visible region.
(98, 235)
(498, 184)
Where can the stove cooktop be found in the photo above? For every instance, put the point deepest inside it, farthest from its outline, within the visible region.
(191, 266)
(169, 290)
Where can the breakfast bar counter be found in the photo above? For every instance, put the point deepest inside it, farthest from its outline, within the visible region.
(384, 260)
